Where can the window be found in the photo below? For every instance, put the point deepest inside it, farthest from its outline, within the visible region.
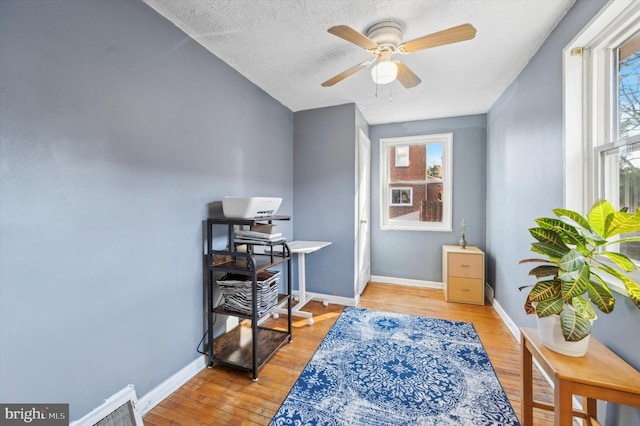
(415, 191)
(602, 112)
(618, 168)
(402, 196)
(402, 156)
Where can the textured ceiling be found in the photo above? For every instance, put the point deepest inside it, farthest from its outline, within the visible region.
(283, 47)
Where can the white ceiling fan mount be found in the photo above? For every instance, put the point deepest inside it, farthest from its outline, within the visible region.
(387, 34)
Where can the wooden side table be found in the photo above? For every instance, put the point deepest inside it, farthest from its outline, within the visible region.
(599, 375)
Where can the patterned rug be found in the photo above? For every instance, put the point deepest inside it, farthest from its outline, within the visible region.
(378, 368)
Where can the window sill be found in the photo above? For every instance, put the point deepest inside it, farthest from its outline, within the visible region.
(398, 227)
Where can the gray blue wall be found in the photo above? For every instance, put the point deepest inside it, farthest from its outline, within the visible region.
(324, 193)
(525, 180)
(415, 254)
(116, 132)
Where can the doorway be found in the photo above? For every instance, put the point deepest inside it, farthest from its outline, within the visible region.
(363, 191)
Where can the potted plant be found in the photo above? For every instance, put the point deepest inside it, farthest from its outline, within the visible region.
(574, 271)
(463, 240)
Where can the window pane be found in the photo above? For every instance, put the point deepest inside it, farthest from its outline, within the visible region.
(420, 166)
(432, 205)
(402, 156)
(415, 182)
(434, 160)
(409, 163)
(629, 88)
(621, 183)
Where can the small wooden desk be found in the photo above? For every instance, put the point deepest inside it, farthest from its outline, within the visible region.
(599, 375)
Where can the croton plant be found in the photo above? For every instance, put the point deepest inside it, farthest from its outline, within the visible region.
(579, 261)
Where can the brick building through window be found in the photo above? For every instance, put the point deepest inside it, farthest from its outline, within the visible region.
(415, 173)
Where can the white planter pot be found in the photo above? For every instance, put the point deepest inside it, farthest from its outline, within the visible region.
(551, 336)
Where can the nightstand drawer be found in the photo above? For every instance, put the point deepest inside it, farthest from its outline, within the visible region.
(466, 265)
(467, 290)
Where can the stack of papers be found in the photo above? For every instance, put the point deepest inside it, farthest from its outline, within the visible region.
(258, 237)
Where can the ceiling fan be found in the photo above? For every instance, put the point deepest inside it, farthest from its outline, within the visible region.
(383, 40)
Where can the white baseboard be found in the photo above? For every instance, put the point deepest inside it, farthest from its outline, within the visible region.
(406, 281)
(515, 330)
(488, 293)
(336, 300)
(173, 383)
(506, 319)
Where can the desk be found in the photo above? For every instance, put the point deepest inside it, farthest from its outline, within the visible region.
(600, 374)
(302, 248)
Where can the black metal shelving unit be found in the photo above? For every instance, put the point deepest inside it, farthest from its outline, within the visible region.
(233, 348)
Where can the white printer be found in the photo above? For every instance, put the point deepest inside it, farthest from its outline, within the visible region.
(249, 207)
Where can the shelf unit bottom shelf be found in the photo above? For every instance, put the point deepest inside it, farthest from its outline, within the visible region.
(235, 347)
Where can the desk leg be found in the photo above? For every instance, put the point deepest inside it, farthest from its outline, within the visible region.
(526, 383)
(563, 402)
(302, 274)
(302, 293)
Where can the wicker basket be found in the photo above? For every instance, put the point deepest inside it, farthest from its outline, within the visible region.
(236, 290)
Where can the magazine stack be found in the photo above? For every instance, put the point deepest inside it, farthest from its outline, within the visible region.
(260, 233)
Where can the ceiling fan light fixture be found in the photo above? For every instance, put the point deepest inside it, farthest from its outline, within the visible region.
(384, 72)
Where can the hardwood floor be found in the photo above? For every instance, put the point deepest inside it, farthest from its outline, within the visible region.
(222, 396)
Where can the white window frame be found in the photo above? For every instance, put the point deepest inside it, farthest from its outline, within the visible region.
(446, 139)
(588, 97)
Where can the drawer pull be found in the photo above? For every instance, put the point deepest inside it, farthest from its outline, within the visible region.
(464, 266)
(465, 289)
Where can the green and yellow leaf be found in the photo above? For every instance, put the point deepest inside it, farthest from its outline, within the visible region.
(621, 260)
(571, 289)
(572, 261)
(576, 218)
(601, 216)
(601, 296)
(583, 307)
(624, 223)
(625, 240)
(528, 307)
(544, 308)
(533, 261)
(554, 252)
(544, 271)
(567, 232)
(633, 291)
(574, 327)
(547, 236)
(544, 290)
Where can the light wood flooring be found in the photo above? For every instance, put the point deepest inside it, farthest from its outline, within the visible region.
(222, 396)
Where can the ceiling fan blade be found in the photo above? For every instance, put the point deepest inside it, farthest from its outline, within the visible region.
(452, 35)
(344, 74)
(353, 36)
(406, 76)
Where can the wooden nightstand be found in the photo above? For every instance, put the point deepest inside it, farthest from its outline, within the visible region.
(463, 274)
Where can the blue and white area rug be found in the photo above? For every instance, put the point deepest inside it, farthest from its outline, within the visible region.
(378, 368)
